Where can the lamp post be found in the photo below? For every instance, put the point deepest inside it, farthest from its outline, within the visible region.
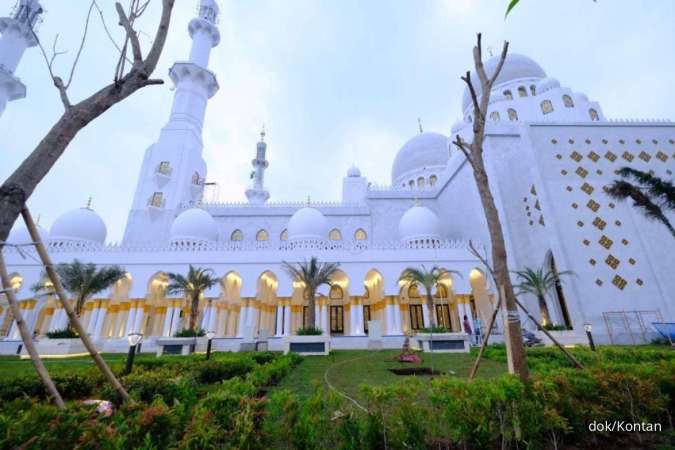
(134, 340)
(209, 335)
(589, 328)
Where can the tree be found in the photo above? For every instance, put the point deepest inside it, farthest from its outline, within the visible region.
(650, 194)
(539, 282)
(428, 279)
(83, 280)
(192, 286)
(132, 73)
(474, 154)
(312, 274)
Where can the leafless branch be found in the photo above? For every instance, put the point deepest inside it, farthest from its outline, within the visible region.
(474, 97)
(464, 148)
(49, 61)
(107, 31)
(79, 51)
(502, 58)
(131, 33)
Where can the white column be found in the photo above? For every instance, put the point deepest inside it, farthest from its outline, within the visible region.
(213, 316)
(93, 317)
(425, 315)
(100, 320)
(352, 319)
(139, 318)
(243, 316)
(168, 318)
(287, 320)
(397, 319)
(360, 325)
(131, 320)
(175, 321)
(280, 321)
(325, 326)
(3, 314)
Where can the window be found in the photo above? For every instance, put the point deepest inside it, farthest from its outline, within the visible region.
(441, 291)
(546, 107)
(513, 115)
(443, 316)
(593, 115)
(420, 182)
(508, 95)
(522, 92)
(164, 168)
(568, 102)
(284, 235)
(412, 291)
(411, 183)
(432, 180)
(366, 318)
(237, 235)
(360, 235)
(337, 319)
(533, 89)
(262, 235)
(157, 200)
(335, 235)
(416, 317)
(494, 115)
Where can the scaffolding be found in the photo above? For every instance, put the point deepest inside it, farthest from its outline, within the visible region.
(630, 327)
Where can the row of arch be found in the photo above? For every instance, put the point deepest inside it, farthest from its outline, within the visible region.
(263, 235)
(421, 182)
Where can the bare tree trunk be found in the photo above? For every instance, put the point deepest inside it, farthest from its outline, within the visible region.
(26, 336)
(16, 190)
(74, 321)
(474, 154)
(311, 308)
(430, 307)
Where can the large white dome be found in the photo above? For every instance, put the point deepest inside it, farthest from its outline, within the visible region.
(515, 67)
(82, 224)
(419, 223)
(425, 151)
(20, 235)
(307, 224)
(194, 225)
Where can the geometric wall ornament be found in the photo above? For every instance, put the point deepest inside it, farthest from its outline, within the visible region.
(610, 156)
(605, 141)
(598, 282)
(563, 172)
(554, 141)
(569, 188)
(631, 261)
(571, 141)
(599, 223)
(592, 261)
(559, 156)
(593, 156)
(576, 156)
(645, 156)
(575, 206)
(661, 156)
(586, 242)
(638, 141)
(580, 224)
(533, 191)
(581, 172)
(587, 188)
(624, 241)
(611, 205)
(621, 141)
(593, 205)
(654, 141)
(612, 262)
(619, 282)
(537, 206)
(617, 223)
(606, 242)
(639, 282)
(541, 220)
(628, 156)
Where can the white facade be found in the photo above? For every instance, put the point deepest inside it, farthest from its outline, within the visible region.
(549, 151)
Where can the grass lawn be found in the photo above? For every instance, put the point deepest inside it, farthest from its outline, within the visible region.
(348, 369)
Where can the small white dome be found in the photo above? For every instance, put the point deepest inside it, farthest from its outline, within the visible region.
(419, 223)
(547, 84)
(307, 224)
(194, 224)
(20, 235)
(425, 151)
(515, 67)
(353, 172)
(82, 224)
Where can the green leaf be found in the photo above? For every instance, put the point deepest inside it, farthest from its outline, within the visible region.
(510, 7)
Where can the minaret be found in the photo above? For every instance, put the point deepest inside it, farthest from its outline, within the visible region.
(173, 171)
(17, 35)
(258, 195)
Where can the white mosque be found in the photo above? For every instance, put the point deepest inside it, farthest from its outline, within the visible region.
(549, 151)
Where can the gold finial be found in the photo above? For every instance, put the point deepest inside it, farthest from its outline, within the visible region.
(262, 133)
(419, 124)
(89, 203)
(309, 201)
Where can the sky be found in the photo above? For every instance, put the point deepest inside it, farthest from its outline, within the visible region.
(336, 83)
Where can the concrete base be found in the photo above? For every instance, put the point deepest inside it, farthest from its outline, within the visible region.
(176, 346)
(443, 342)
(10, 346)
(58, 347)
(564, 337)
(307, 345)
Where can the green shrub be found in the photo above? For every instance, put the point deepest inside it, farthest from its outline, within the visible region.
(146, 386)
(190, 333)
(555, 327)
(263, 357)
(309, 331)
(66, 333)
(213, 371)
(76, 385)
(434, 329)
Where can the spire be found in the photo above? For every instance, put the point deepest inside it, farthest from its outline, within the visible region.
(309, 201)
(262, 133)
(89, 200)
(419, 124)
(257, 194)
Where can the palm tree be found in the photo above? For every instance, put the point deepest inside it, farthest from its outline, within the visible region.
(193, 286)
(428, 279)
(649, 193)
(83, 280)
(538, 283)
(312, 274)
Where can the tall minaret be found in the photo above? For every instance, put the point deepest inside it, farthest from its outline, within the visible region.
(173, 171)
(258, 195)
(17, 35)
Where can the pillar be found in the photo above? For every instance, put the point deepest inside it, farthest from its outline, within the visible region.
(100, 320)
(131, 318)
